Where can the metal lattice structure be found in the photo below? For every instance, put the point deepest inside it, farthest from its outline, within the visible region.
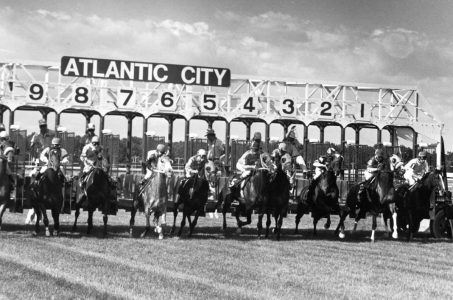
(41, 85)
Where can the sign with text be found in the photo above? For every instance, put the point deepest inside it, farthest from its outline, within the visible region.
(144, 71)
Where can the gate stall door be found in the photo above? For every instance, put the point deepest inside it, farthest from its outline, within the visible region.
(68, 142)
(196, 144)
(238, 147)
(111, 145)
(153, 141)
(355, 160)
(21, 195)
(315, 150)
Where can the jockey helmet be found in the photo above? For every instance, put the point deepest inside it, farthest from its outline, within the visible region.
(257, 136)
(90, 126)
(282, 147)
(210, 131)
(201, 152)
(379, 153)
(95, 139)
(42, 122)
(331, 151)
(422, 154)
(291, 134)
(161, 148)
(2, 126)
(255, 145)
(56, 141)
(4, 135)
(320, 162)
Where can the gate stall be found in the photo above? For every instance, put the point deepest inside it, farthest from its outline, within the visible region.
(111, 145)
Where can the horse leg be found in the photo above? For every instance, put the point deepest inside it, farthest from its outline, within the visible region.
(158, 228)
(410, 220)
(90, 221)
(298, 217)
(45, 220)
(77, 214)
(2, 211)
(175, 214)
(315, 222)
(226, 204)
(194, 222)
(393, 221)
(132, 221)
(148, 225)
(268, 224)
(356, 221)
(183, 223)
(373, 227)
(56, 221)
(340, 228)
(279, 225)
(328, 222)
(105, 218)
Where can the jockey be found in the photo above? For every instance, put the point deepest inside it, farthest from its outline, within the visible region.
(416, 168)
(91, 155)
(7, 150)
(215, 147)
(294, 148)
(320, 168)
(250, 159)
(334, 161)
(44, 157)
(86, 139)
(375, 164)
(41, 140)
(195, 163)
(151, 161)
(281, 154)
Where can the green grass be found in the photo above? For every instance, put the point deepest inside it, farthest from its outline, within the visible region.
(214, 265)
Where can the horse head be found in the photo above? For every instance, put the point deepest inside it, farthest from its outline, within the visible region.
(54, 159)
(164, 166)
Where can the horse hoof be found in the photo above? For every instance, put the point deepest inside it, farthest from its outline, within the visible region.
(326, 226)
(34, 233)
(341, 235)
(143, 234)
(48, 233)
(161, 236)
(56, 233)
(239, 231)
(395, 235)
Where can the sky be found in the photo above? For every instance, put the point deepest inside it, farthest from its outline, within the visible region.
(404, 42)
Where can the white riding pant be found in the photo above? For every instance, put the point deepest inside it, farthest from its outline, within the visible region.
(368, 175)
(410, 177)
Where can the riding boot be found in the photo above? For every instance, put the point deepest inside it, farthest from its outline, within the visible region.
(12, 184)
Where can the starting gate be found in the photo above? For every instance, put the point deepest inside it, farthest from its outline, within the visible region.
(68, 142)
(314, 150)
(153, 141)
(238, 147)
(197, 143)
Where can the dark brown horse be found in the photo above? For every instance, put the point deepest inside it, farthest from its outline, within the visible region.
(97, 195)
(4, 186)
(279, 187)
(377, 198)
(48, 194)
(321, 198)
(193, 195)
(414, 204)
(154, 197)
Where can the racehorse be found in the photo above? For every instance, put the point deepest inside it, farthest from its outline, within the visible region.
(153, 197)
(321, 197)
(279, 187)
(377, 198)
(48, 194)
(193, 195)
(4, 186)
(413, 203)
(256, 192)
(97, 194)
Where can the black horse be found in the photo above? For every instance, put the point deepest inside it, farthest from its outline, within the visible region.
(321, 198)
(97, 195)
(48, 194)
(279, 187)
(413, 204)
(377, 198)
(193, 195)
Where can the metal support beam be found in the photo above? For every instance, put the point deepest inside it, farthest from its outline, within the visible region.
(227, 147)
(11, 117)
(129, 139)
(305, 141)
(170, 131)
(248, 126)
(357, 135)
(343, 140)
(321, 133)
(379, 136)
(210, 122)
(2, 111)
(144, 139)
(414, 143)
(267, 136)
(285, 128)
(101, 125)
(186, 140)
(57, 121)
(392, 132)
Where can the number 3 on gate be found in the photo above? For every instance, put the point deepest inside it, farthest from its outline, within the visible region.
(288, 107)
